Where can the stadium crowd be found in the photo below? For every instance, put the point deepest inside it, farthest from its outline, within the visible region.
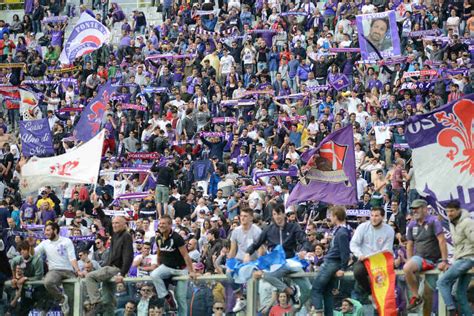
(243, 89)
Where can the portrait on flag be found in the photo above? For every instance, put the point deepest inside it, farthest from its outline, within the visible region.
(381, 30)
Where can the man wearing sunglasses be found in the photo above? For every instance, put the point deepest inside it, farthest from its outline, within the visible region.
(218, 309)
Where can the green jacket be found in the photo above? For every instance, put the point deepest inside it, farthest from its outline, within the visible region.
(34, 269)
(356, 312)
(463, 236)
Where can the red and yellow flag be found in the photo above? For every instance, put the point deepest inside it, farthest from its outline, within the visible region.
(382, 281)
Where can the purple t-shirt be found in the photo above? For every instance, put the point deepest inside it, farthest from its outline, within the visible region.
(56, 38)
(29, 211)
(424, 237)
(108, 126)
(47, 216)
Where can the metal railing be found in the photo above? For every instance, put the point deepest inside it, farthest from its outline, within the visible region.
(251, 310)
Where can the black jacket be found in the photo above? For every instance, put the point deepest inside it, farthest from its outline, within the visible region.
(121, 252)
(291, 236)
(165, 175)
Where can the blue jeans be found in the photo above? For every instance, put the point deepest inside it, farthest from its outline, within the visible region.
(163, 273)
(323, 284)
(36, 24)
(275, 278)
(261, 65)
(293, 85)
(458, 271)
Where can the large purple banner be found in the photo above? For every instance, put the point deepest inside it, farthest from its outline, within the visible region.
(330, 172)
(442, 144)
(36, 139)
(91, 118)
(382, 32)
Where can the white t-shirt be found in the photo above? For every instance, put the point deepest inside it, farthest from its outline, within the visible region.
(119, 187)
(360, 117)
(59, 253)
(146, 262)
(255, 201)
(244, 240)
(226, 64)
(248, 56)
(313, 128)
(352, 105)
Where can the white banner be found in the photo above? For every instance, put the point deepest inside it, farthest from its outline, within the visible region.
(80, 165)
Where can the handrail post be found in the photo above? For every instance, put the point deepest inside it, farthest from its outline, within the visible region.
(251, 297)
(78, 298)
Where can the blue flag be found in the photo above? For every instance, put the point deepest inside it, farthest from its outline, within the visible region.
(242, 272)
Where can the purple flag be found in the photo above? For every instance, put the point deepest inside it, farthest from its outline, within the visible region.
(91, 118)
(340, 82)
(36, 139)
(344, 50)
(382, 31)
(332, 175)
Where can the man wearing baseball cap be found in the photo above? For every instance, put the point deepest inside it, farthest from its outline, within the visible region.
(426, 247)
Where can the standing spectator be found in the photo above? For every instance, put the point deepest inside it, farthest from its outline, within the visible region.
(37, 16)
(4, 215)
(335, 263)
(283, 307)
(165, 180)
(145, 262)
(101, 253)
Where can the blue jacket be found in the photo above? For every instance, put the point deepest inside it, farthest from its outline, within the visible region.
(213, 184)
(340, 247)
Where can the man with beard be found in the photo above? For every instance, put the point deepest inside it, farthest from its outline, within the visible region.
(370, 238)
(62, 263)
(378, 30)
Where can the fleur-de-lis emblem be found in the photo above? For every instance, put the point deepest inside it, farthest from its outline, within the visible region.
(63, 169)
(458, 127)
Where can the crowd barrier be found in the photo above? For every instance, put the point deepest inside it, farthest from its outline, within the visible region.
(78, 289)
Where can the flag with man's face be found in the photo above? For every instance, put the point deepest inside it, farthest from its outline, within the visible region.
(382, 282)
(331, 171)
